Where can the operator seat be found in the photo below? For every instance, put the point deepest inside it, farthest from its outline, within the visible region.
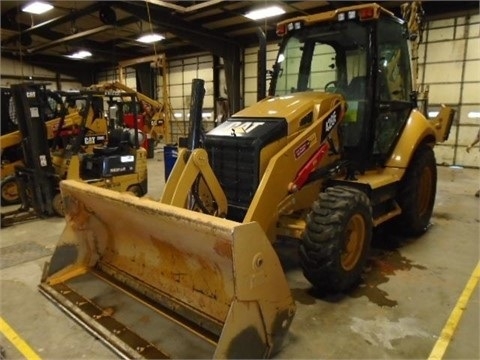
(355, 95)
(357, 88)
(118, 143)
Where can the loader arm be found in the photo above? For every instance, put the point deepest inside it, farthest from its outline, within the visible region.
(188, 167)
(286, 167)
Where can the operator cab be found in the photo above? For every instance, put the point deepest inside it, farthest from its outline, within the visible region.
(367, 63)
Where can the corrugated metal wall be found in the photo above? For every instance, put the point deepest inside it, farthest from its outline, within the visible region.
(15, 72)
(449, 63)
(181, 74)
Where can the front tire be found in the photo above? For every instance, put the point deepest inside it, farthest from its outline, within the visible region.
(10, 191)
(337, 239)
(417, 193)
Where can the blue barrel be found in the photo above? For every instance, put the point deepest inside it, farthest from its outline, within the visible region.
(170, 154)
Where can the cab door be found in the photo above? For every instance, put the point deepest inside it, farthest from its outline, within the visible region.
(394, 87)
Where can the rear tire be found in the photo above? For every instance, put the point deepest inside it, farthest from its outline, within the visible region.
(10, 191)
(337, 239)
(417, 192)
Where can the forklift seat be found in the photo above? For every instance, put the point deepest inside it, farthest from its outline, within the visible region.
(118, 143)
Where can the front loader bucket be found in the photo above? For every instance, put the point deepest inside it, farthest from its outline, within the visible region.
(156, 281)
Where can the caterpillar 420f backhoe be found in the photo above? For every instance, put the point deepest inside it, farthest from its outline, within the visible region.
(337, 149)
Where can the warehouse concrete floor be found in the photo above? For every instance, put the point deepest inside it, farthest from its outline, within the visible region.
(409, 290)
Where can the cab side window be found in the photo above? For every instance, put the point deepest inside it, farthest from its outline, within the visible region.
(393, 86)
(393, 62)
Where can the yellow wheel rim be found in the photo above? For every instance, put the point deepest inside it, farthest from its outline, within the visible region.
(10, 191)
(354, 242)
(425, 191)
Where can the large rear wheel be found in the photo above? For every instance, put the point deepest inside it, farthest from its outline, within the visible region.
(337, 239)
(10, 191)
(417, 193)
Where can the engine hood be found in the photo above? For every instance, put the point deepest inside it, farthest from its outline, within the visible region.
(291, 107)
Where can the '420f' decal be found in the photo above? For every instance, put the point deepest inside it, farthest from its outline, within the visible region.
(330, 123)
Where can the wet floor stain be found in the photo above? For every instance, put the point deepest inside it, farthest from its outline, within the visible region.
(21, 253)
(384, 262)
(380, 266)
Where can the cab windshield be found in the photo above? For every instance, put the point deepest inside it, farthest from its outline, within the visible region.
(329, 57)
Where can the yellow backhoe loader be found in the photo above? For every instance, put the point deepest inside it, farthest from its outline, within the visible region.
(155, 115)
(336, 149)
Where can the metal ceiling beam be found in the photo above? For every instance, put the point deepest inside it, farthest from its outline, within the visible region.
(99, 48)
(183, 9)
(202, 37)
(75, 14)
(70, 38)
(43, 29)
(224, 12)
(213, 42)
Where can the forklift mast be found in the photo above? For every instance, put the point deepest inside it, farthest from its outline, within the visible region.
(37, 176)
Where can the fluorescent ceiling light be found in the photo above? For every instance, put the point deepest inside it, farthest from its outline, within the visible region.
(265, 12)
(150, 38)
(82, 54)
(37, 7)
(474, 114)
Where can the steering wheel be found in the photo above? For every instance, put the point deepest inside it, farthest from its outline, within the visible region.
(332, 85)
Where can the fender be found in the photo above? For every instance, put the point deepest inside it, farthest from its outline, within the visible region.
(418, 130)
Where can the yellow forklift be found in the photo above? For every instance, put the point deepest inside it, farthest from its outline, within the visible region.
(10, 140)
(65, 114)
(117, 163)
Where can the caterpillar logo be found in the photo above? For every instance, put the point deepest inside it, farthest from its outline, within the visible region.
(243, 127)
(93, 140)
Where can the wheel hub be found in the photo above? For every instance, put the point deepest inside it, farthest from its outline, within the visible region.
(355, 238)
(424, 193)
